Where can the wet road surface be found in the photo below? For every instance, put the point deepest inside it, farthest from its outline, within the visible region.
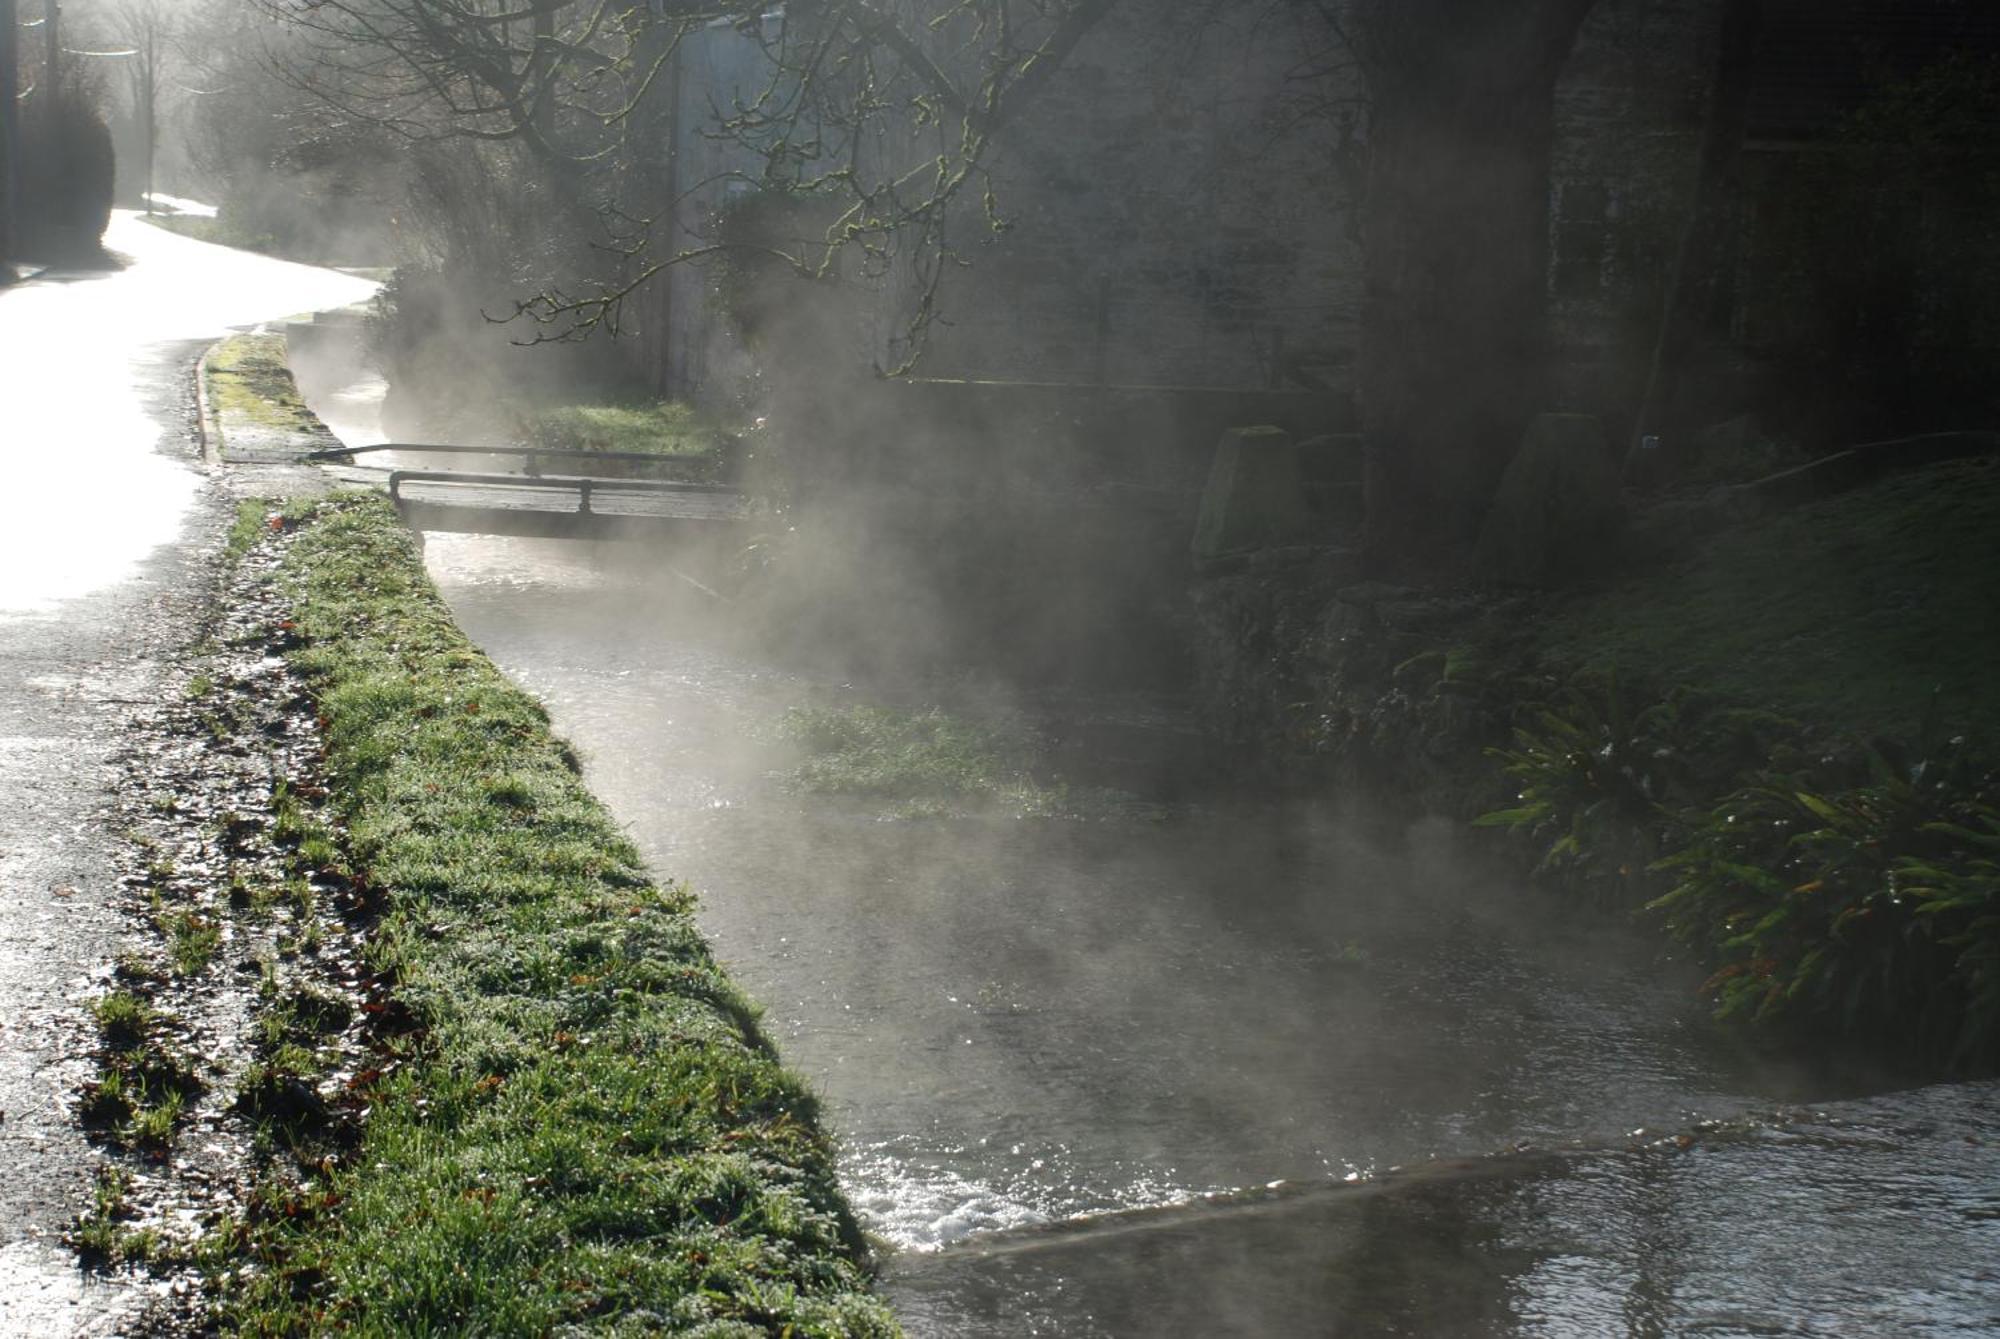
(106, 524)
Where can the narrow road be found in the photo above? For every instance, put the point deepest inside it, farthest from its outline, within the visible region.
(105, 525)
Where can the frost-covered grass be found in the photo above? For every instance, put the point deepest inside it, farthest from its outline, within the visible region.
(581, 1125)
(250, 382)
(648, 427)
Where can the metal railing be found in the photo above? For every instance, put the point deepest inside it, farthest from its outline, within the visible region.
(583, 487)
(532, 458)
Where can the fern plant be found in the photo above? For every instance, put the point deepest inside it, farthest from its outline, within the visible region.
(1601, 785)
(1872, 909)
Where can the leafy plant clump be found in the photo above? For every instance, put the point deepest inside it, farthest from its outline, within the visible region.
(574, 1123)
(105, 1234)
(1601, 779)
(143, 1082)
(1872, 907)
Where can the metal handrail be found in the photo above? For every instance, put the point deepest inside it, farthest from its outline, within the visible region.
(584, 487)
(532, 455)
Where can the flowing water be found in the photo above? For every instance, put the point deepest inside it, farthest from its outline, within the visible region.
(1035, 1039)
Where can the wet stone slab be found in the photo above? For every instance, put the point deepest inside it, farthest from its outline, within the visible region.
(1871, 1217)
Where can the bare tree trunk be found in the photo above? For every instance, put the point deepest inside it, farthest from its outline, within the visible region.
(10, 140)
(52, 52)
(1454, 349)
(148, 80)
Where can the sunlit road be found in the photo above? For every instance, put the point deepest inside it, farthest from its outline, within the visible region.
(85, 494)
(100, 492)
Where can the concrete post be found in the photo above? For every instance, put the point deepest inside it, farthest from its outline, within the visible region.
(1255, 498)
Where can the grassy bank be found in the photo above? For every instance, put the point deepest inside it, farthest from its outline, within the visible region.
(647, 427)
(572, 1118)
(1870, 611)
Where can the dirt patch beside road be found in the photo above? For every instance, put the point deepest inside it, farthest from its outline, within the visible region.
(70, 679)
(91, 692)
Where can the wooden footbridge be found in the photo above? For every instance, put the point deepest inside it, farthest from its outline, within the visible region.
(553, 494)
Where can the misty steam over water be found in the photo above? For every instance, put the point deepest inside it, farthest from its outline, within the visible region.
(1021, 1023)
(1316, 667)
(1029, 1033)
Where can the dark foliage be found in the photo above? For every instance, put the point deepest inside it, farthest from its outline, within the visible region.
(66, 171)
(1851, 891)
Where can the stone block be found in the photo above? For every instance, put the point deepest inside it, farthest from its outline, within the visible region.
(1255, 498)
(1558, 511)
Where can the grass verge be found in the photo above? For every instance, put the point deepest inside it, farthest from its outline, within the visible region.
(220, 230)
(653, 427)
(689, 443)
(574, 1120)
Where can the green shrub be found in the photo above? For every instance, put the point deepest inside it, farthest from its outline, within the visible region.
(1855, 892)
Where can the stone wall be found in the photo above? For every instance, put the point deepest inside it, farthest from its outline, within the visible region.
(1176, 222)
(1172, 221)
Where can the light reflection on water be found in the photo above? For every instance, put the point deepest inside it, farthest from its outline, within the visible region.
(1876, 1217)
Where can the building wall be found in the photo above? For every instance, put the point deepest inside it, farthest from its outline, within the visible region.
(1176, 224)
(1174, 220)
(702, 175)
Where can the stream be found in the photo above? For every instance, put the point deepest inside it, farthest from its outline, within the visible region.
(1131, 1077)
